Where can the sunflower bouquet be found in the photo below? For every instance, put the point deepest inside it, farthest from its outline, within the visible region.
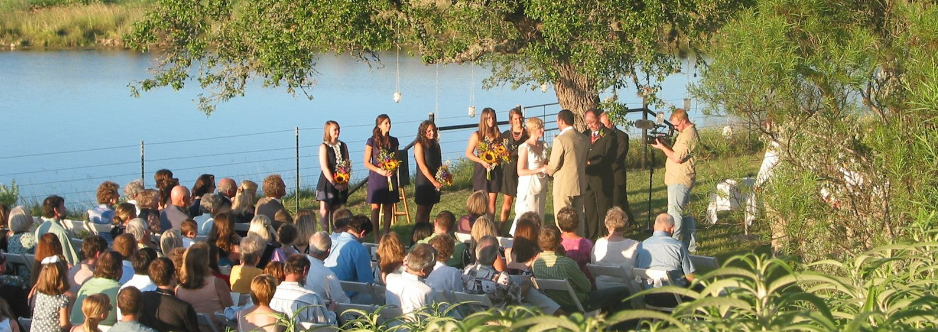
(444, 176)
(343, 172)
(494, 154)
(387, 160)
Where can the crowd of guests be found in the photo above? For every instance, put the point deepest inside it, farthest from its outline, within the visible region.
(173, 254)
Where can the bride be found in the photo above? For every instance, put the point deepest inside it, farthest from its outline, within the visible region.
(532, 179)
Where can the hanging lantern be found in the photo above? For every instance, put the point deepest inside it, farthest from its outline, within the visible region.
(727, 132)
(397, 97)
(687, 104)
(472, 111)
(544, 87)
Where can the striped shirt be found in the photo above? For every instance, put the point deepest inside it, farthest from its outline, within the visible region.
(550, 266)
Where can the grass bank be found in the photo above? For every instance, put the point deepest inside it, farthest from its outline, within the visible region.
(67, 24)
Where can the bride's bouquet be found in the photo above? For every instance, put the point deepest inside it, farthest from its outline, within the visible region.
(387, 160)
(494, 154)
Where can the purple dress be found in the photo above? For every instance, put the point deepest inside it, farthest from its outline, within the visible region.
(378, 191)
(580, 251)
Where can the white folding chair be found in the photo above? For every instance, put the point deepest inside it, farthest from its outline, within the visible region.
(473, 302)
(350, 311)
(564, 286)
(200, 238)
(505, 242)
(241, 227)
(620, 273)
(377, 293)
(76, 243)
(239, 299)
(225, 269)
(97, 228)
(463, 237)
(654, 278)
(359, 287)
(206, 322)
(26, 323)
(704, 262)
(18, 259)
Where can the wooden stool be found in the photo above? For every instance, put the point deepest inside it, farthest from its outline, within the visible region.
(403, 200)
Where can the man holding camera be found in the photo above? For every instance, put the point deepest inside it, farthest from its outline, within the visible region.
(680, 175)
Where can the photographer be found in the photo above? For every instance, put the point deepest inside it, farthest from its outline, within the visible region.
(679, 176)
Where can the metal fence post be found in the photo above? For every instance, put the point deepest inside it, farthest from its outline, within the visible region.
(142, 163)
(297, 195)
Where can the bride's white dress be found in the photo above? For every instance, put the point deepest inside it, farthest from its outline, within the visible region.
(531, 188)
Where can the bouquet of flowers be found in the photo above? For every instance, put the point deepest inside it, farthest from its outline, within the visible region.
(444, 176)
(493, 153)
(387, 160)
(343, 172)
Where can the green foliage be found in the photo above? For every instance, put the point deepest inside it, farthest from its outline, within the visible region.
(56, 24)
(9, 195)
(849, 89)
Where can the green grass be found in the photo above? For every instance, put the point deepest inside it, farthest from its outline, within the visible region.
(722, 240)
(67, 24)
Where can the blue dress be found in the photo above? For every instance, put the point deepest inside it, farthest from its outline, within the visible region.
(378, 191)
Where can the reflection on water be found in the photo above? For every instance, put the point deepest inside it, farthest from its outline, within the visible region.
(71, 123)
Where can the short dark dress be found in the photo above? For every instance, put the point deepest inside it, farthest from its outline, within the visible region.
(325, 191)
(424, 191)
(378, 191)
(510, 170)
(488, 184)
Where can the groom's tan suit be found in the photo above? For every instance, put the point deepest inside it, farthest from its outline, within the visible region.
(567, 165)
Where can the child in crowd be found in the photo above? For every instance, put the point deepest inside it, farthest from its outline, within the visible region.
(95, 307)
(7, 319)
(189, 231)
(275, 269)
(287, 235)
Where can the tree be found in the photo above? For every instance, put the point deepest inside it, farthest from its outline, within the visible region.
(850, 91)
(581, 47)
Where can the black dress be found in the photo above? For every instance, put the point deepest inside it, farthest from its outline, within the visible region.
(424, 191)
(378, 191)
(490, 183)
(325, 191)
(509, 185)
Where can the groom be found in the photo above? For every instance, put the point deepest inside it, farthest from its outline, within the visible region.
(567, 165)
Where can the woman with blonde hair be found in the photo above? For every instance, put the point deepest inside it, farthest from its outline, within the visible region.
(330, 193)
(53, 300)
(390, 255)
(483, 226)
(475, 207)
(486, 176)
(532, 179)
(305, 228)
(261, 226)
(96, 308)
(197, 284)
(19, 239)
(242, 206)
(260, 317)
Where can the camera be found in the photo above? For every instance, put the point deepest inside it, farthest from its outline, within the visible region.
(658, 130)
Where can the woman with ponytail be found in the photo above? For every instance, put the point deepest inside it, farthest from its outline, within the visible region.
(96, 308)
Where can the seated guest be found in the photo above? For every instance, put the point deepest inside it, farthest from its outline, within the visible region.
(286, 235)
(614, 249)
(148, 204)
(340, 220)
(52, 298)
(421, 230)
(445, 223)
(95, 308)
(407, 290)
(482, 278)
(576, 247)
(298, 303)
(223, 235)
(549, 265)
(305, 223)
(212, 204)
(53, 214)
(242, 275)
(260, 317)
(227, 188)
(198, 286)
(213, 264)
(141, 277)
(132, 191)
(13, 294)
(138, 228)
(189, 230)
(177, 211)
(261, 226)
(484, 226)
(444, 277)
(107, 197)
(275, 269)
(107, 272)
(242, 206)
(91, 247)
(162, 310)
(19, 239)
(204, 184)
(523, 247)
(271, 205)
(126, 245)
(123, 213)
(128, 303)
(169, 241)
(476, 206)
(390, 255)
(349, 259)
(320, 278)
(661, 252)
(48, 245)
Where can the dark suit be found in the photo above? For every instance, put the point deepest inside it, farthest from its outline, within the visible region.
(273, 209)
(620, 192)
(600, 181)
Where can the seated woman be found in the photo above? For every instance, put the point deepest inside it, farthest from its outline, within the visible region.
(262, 227)
(95, 307)
(476, 206)
(390, 255)
(223, 235)
(483, 226)
(614, 249)
(206, 293)
(577, 248)
(260, 317)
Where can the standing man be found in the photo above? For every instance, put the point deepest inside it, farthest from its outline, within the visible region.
(680, 175)
(600, 180)
(620, 190)
(567, 165)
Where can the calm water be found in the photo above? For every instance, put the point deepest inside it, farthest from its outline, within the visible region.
(70, 122)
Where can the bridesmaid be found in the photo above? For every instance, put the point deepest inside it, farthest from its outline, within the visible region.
(380, 196)
(429, 158)
(515, 135)
(330, 194)
(487, 183)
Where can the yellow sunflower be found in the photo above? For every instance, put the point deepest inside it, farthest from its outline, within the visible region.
(341, 178)
(489, 157)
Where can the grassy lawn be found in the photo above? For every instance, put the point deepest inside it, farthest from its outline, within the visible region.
(722, 240)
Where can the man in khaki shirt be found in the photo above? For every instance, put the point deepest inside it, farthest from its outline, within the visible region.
(679, 176)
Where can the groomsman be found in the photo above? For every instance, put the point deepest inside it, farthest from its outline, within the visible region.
(619, 192)
(600, 180)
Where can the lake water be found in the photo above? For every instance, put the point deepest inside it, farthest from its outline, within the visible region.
(70, 122)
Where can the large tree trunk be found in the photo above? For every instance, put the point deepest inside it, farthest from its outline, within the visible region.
(575, 92)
